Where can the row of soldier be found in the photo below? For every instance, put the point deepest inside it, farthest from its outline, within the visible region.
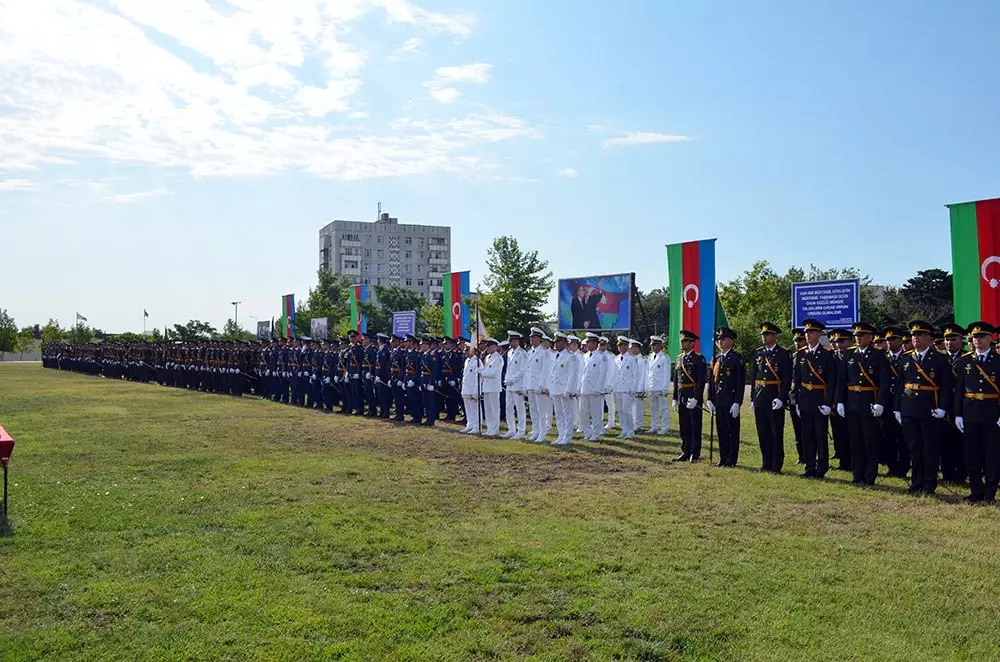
(577, 386)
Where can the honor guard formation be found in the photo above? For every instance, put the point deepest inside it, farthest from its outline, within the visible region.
(910, 399)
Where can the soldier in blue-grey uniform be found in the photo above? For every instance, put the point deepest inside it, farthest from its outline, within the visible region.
(430, 379)
(414, 398)
(398, 376)
(383, 365)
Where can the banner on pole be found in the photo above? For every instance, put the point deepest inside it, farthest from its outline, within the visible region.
(404, 323)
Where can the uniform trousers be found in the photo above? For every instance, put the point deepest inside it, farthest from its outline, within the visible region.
(923, 440)
(609, 401)
(771, 435)
(866, 437)
(472, 413)
(533, 412)
(690, 429)
(815, 447)
(982, 456)
(729, 438)
(659, 412)
(491, 406)
(564, 416)
(592, 416)
(894, 453)
(625, 412)
(545, 414)
(516, 422)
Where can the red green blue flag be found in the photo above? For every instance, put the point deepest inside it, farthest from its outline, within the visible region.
(456, 311)
(693, 301)
(359, 297)
(287, 329)
(975, 261)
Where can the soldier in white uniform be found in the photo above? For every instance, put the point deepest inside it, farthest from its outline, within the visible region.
(658, 386)
(470, 390)
(577, 353)
(490, 384)
(639, 402)
(533, 377)
(544, 399)
(625, 388)
(593, 384)
(562, 379)
(517, 363)
(609, 398)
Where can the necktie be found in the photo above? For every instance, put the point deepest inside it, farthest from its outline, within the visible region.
(982, 359)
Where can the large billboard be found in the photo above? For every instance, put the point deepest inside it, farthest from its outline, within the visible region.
(596, 303)
(832, 302)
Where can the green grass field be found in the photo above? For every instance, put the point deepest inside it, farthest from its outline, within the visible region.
(152, 523)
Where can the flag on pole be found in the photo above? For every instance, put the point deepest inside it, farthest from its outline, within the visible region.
(145, 313)
(456, 310)
(975, 261)
(720, 313)
(359, 296)
(691, 269)
(479, 332)
(288, 316)
(80, 318)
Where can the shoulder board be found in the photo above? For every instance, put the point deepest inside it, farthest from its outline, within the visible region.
(941, 351)
(853, 347)
(969, 353)
(760, 348)
(907, 353)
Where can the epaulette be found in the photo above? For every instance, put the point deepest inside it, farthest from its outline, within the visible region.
(942, 351)
(969, 353)
(908, 352)
(760, 348)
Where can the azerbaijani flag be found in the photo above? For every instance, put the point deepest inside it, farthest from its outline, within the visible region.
(691, 269)
(80, 318)
(359, 296)
(288, 316)
(975, 261)
(456, 311)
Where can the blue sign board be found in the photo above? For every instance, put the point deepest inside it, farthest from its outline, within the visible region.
(835, 303)
(404, 323)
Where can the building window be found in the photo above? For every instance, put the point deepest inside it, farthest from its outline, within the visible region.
(368, 252)
(378, 240)
(409, 282)
(378, 281)
(421, 255)
(407, 269)
(380, 253)
(367, 267)
(420, 282)
(409, 241)
(350, 237)
(421, 241)
(368, 239)
(408, 254)
(366, 281)
(378, 268)
(420, 268)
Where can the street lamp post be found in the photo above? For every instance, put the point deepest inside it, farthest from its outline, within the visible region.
(236, 313)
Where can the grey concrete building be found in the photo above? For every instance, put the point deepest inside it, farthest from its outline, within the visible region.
(387, 252)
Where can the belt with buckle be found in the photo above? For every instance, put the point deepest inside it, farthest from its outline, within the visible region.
(982, 396)
(766, 382)
(813, 387)
(862, 389)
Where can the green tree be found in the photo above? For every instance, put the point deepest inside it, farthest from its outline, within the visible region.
(25, 340)
(232, 331)
(8, 334)
(656, 306)
(80, 333)
(330, 299)
(52, 332)
(430, 320)
(928, 296)
(517, 284)
(194, 330)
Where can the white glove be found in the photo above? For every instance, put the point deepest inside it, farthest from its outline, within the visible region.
(899, 417)
(378, 380)
(823, 409)
(336, 379)
(734, 411)
(960, 423)
(300, 373)
(776, 404)
(451, 382)
(326, 380)
(998, 422)
(691, 403)
(711, 407)
(368, 375)
(877, 410)
(237, 371)
(752, 408)
(267, 373)
(355, 376)
(409, 384)
(840, 410)
(674, 405)
(430, 387)
(938, 413)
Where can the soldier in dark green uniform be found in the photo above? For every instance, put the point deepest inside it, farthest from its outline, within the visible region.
(769, 395)
(815, 378)
(977, 412)
(689, 394)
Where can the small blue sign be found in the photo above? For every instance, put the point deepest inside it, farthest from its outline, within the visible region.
(404, 323)
(835, 303)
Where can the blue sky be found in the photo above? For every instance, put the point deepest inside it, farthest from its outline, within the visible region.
(188, 157)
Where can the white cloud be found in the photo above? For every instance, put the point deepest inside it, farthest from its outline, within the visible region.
(642, 138)
(128, 198)
(357, 115)
(597, 128)
(441, 86)
(17, 185)
(409, 48)
(182, 84)
(569, 173)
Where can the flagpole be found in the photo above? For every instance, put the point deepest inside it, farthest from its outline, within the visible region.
(479, 377)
